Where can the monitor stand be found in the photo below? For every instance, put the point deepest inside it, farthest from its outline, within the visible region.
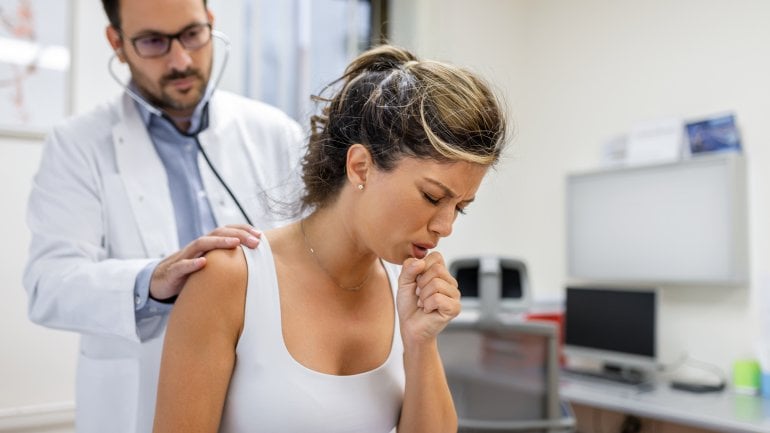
(615, 373)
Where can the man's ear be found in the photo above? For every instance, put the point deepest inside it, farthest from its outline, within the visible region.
(116, 42)
(358, 165)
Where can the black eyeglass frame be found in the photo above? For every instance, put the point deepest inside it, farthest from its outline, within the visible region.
(170, 37)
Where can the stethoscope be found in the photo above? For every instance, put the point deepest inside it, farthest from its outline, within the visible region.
(213, 85)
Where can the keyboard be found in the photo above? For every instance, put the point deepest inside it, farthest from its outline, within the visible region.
(626, 378)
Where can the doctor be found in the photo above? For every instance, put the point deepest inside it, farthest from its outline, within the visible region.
(125, 204)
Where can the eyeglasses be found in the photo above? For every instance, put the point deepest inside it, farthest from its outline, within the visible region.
(192, 37)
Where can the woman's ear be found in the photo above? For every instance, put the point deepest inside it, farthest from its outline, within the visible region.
(358, 164)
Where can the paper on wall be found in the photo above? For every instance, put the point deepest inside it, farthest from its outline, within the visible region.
(655, 141)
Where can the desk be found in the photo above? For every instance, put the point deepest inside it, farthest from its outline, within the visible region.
(722, 412)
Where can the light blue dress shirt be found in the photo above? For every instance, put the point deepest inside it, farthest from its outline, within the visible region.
(192, 211)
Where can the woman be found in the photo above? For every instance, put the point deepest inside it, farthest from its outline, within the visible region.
(317, 330)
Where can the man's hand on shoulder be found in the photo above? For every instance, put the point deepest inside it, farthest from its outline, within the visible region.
(171, 273)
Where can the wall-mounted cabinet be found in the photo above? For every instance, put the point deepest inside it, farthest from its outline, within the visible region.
(680, 223)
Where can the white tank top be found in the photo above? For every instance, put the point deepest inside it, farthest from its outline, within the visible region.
(271, 392)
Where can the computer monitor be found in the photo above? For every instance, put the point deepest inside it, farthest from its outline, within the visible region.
(616, 326)
(680, 223)
(491, 285)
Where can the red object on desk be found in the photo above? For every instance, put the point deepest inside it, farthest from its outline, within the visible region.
(553, 317)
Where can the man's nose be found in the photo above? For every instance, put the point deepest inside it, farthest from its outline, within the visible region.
(178, 56)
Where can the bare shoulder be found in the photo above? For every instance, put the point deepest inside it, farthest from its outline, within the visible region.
(218, 290)
(224, 268)
(225, 263)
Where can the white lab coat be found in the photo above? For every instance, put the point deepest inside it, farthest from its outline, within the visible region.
(100, 210)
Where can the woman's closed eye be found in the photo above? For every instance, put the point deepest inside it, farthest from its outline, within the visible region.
(435, 202)
(432, 200)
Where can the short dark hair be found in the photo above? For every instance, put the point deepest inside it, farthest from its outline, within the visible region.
(400, 106)
(112, 9)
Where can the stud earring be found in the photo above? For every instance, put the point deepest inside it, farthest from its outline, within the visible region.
(360, 186)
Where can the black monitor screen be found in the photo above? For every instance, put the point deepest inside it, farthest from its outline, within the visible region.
(468, 281)
(511, 283)
(611, 319)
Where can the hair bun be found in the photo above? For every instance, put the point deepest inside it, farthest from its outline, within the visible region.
(382, 58)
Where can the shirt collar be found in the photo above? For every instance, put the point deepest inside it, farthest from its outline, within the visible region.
(148, 117)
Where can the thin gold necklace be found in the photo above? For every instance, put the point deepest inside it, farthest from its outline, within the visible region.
(310, 248)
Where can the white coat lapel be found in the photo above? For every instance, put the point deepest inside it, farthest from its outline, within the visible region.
(223, 131)
(146, 184)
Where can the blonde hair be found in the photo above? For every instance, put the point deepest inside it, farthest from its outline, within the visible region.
(399, 106)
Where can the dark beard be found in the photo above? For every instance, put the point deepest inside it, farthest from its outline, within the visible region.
(164, 101)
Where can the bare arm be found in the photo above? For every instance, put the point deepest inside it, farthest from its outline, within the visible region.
(199, 349)
(428, 298)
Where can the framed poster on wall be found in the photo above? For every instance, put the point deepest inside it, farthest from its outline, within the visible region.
(35, 54)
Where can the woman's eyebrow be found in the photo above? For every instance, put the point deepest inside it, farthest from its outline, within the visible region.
(448, 191)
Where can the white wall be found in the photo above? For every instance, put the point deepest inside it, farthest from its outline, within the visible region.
(578, 72)
(38, 365)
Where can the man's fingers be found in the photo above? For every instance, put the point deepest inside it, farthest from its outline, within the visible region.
(168, 278)
(204, 244)
(246, 234)
(177, 273)
(183, 268)
(246, 228)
